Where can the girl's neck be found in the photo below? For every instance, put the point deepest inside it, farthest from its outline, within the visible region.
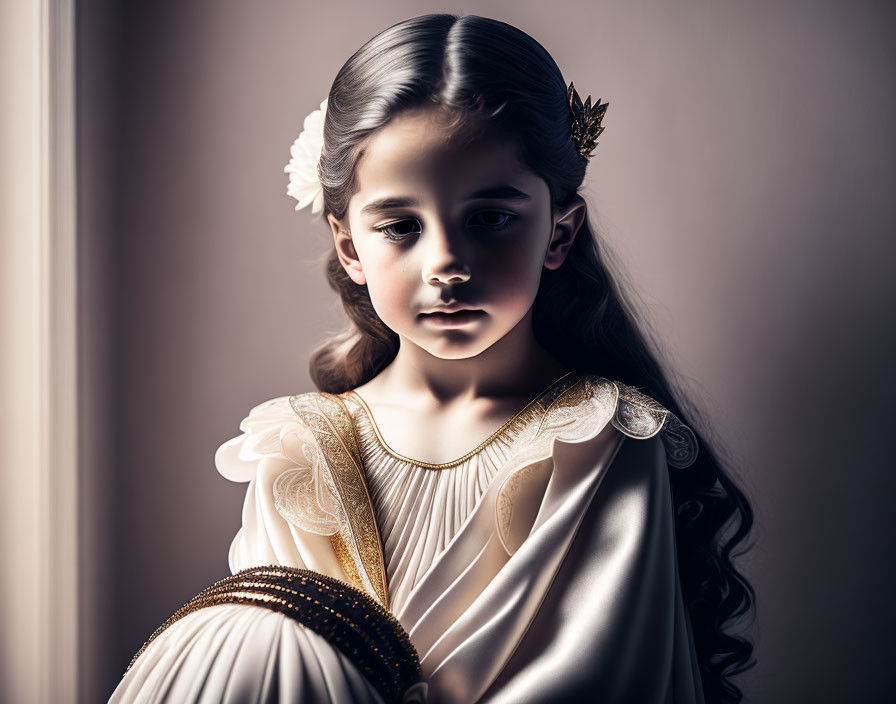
(515, 366)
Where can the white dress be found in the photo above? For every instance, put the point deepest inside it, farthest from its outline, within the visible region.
(538, 567)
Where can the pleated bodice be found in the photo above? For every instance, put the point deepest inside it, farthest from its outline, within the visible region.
(420, 507)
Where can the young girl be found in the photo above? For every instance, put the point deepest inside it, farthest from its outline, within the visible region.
(494, 496)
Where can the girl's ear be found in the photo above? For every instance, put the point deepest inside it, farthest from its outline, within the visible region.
(345, 251)
(566, 224)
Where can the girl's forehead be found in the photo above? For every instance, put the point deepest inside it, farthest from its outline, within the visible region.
(418, 151)
(430, 130)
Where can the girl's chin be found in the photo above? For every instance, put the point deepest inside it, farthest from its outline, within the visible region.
(455, 344)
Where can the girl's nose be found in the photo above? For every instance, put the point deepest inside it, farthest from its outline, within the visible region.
(444, 262)
(452, 275)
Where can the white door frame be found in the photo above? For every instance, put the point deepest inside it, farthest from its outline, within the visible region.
(38, 380)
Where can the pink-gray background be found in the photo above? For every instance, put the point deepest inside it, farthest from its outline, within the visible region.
(745, 181)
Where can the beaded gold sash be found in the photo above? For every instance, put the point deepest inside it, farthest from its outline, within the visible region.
(350, 620)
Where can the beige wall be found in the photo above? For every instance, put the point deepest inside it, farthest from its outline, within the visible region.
(745, 178)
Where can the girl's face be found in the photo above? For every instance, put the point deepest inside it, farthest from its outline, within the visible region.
(449, 222)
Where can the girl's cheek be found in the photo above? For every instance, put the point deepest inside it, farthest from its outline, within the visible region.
(390, 294)
(515, 282)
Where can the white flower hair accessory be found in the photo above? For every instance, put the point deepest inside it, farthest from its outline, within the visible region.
(304, 181)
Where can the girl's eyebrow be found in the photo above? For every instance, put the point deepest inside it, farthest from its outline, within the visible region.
(500, 193)
(376, 206)
(493, 192)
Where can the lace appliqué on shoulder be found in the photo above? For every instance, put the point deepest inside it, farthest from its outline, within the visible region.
(304, 497)
(577, 412)
(639, 416)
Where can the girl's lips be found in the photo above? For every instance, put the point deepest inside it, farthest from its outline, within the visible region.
(452, 320)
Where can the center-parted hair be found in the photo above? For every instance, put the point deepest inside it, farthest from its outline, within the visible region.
(476, 70)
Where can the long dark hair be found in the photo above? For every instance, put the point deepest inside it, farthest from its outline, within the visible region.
(469, 66)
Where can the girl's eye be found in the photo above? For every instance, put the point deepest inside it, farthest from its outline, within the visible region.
(491, 220)
(399, 230)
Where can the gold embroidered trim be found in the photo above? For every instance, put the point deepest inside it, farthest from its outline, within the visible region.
(346, 561)
(330, 423)
(513, 424)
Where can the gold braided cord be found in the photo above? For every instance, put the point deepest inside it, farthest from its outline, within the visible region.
(510, 427)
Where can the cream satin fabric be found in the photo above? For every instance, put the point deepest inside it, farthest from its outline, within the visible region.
(554, 579)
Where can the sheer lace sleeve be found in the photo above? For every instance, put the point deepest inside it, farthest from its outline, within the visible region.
(290, 510)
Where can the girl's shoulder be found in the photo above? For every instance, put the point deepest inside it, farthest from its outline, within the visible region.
(282, 429)
(262, 432)
(638, 415)
(588, 399)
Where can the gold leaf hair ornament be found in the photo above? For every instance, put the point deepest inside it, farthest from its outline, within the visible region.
(304, 175)
(584, 121)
